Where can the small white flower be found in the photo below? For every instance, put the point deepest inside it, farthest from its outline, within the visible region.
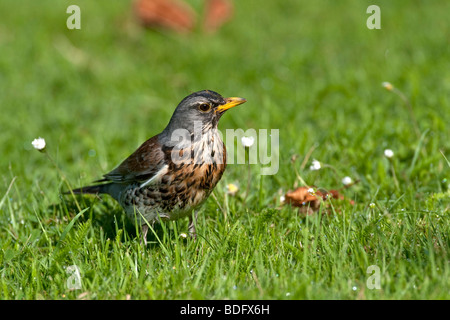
(282, 199)
(372, 205)
(346, 181)
(388, 153)
(247, 141)
(315, 165)
(311, 191)
(39, 143)
(387, 85)
(183, 235)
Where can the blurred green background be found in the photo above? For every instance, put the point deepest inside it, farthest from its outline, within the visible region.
(311, 69)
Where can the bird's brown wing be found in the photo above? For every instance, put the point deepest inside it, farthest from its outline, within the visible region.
(145, 164)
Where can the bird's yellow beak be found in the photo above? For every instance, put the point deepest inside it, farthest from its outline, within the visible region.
(230, 103)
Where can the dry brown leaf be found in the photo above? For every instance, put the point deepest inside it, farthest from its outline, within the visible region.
(309, 202)
(301, 197)
(216, 14)
(171, 14)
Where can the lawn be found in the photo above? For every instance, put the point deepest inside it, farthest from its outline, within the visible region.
(312, 70)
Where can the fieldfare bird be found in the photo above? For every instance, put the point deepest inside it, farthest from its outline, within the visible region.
(172, 174)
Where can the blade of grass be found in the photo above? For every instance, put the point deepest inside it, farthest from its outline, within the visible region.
(417, 151)
(448, 162)
(67, 229)
(7, 191)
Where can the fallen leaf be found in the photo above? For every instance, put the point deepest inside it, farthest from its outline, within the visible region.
(309, 202)
(301, 197)
(83, 295)
(217, 12)
(170, 14)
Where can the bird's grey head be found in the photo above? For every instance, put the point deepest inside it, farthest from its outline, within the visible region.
(199, 111)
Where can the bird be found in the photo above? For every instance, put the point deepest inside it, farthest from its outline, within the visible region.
(173, 173)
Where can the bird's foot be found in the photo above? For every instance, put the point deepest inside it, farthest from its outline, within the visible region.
(191, 228)
(144, 234)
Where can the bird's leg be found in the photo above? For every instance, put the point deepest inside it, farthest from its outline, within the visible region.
(191, 227)
(144, 234)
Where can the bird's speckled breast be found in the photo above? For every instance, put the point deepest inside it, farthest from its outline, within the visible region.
(185, 186)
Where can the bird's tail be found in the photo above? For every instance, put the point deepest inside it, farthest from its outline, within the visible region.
(95, 189)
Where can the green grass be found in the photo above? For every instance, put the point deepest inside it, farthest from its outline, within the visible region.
(310, 69)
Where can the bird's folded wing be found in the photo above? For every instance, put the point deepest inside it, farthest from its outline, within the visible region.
(145, 165)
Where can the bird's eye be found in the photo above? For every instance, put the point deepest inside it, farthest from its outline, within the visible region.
(204, 107)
